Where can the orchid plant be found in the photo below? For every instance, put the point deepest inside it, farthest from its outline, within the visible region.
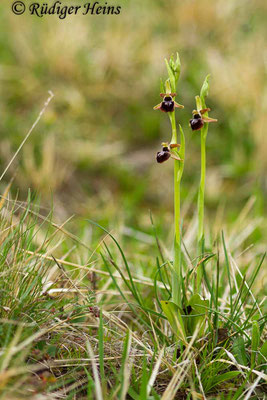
(185, 314)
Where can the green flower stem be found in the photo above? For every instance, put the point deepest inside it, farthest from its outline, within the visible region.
(201, 200)
(201, 104)
(176, 273)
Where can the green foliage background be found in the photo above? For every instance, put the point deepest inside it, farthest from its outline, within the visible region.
(94, 149)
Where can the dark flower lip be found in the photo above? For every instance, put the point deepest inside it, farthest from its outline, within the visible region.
(196, 124)
(162, 156)
(167, 105)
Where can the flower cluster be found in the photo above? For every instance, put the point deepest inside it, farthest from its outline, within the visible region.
(168, 105)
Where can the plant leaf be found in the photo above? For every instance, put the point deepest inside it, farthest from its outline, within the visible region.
(173, 314)
(262, 357)
(162, 89)
(239, 350)
(255, 341)
(224, 377)
(198, 314)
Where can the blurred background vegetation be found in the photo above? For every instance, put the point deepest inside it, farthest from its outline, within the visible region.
(94, 150)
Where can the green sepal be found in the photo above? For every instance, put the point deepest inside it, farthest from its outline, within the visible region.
(198, 103)
(168, 88)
